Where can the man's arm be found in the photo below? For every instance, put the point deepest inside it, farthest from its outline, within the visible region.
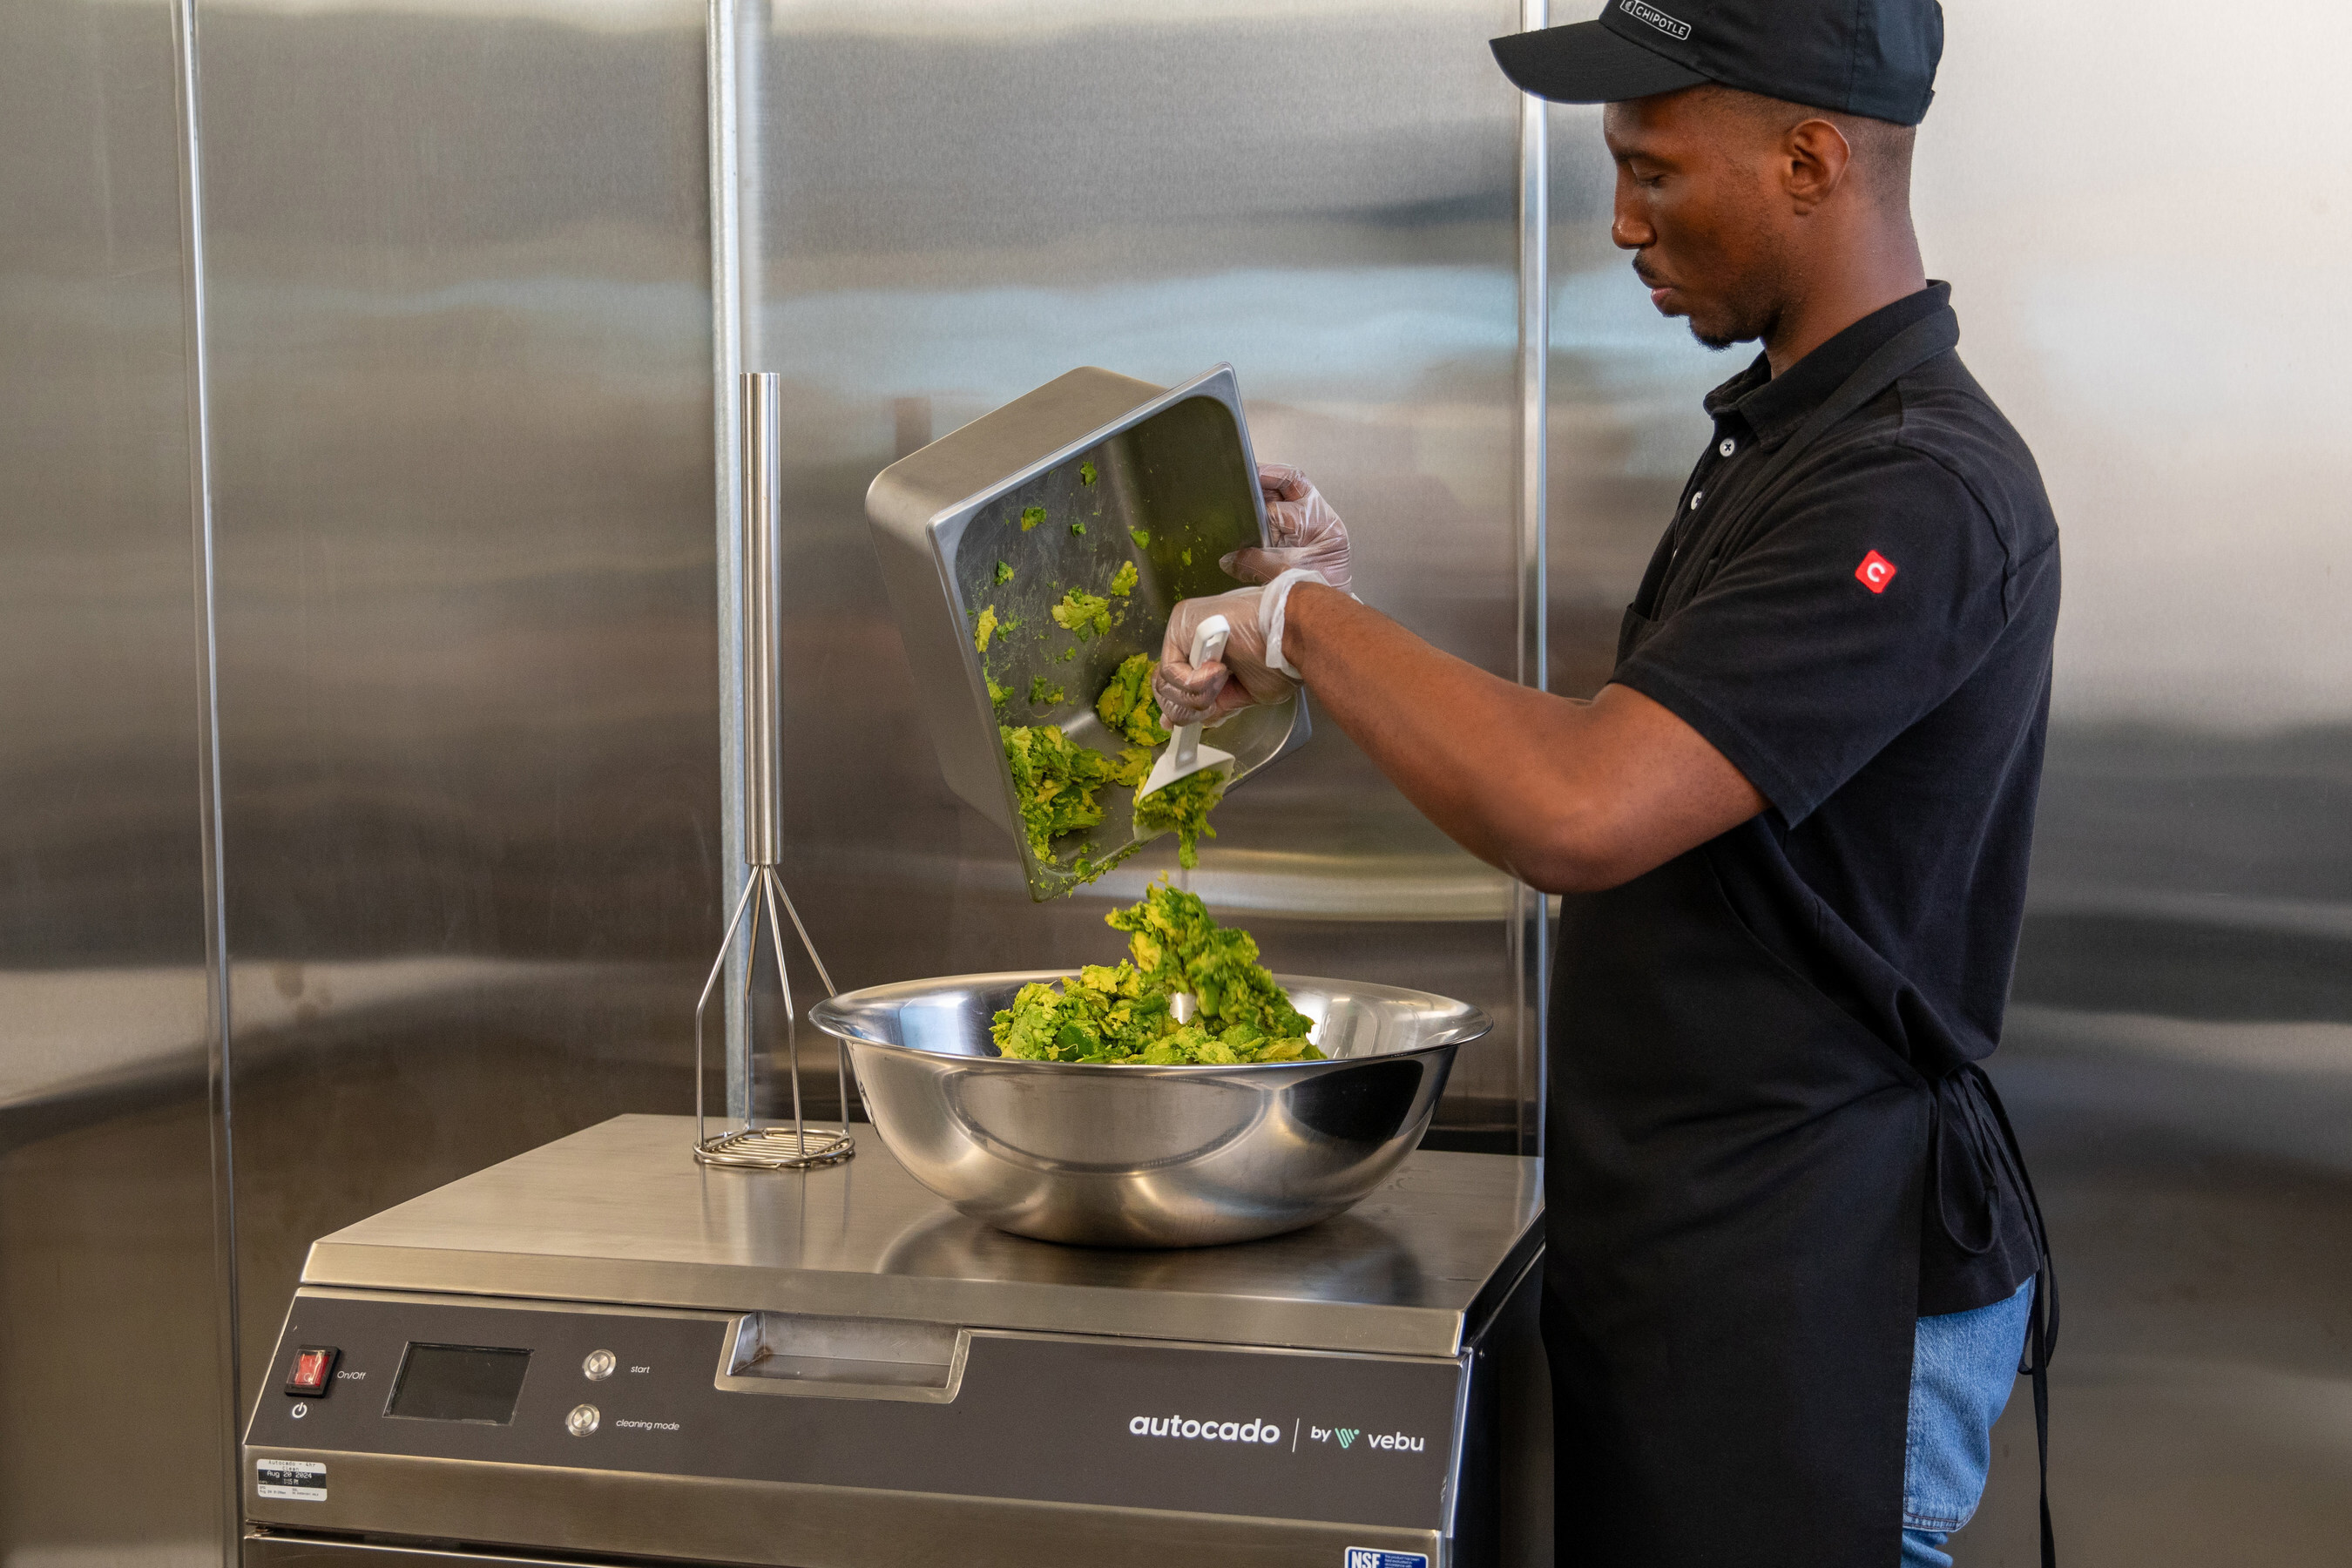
(1568, 796)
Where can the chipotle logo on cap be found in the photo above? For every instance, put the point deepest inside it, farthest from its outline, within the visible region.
(1671, 27)
(1875, 573)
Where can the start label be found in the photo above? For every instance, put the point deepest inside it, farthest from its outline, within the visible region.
(298, 1480)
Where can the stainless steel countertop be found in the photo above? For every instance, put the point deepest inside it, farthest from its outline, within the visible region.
(621, 1214)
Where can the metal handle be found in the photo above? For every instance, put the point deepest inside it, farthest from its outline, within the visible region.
(760, 407)
(764, 580)
(1208, 646)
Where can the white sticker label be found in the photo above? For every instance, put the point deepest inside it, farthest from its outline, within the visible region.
(302, 1480)
(1373, 1557)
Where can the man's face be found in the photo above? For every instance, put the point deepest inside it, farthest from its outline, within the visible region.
(1700, 204)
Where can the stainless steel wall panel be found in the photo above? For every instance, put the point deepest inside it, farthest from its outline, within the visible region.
(2179, 1061)
(957, 204)
(107, 1147)
(461, 392)
(2180, 1052)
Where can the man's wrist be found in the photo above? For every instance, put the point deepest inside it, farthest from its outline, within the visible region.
(1299, 617)
(1274, 614)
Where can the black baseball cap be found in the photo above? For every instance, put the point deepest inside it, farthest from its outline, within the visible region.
(1872, 57)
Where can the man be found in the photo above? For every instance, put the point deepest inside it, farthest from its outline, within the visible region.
(1792, 1253)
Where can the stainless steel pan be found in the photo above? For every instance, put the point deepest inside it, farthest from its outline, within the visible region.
(1174, 487)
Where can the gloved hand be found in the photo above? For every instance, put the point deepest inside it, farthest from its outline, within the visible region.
(1204, 696)
(1306, 532)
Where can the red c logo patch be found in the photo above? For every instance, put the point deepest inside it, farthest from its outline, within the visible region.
(1875, 573)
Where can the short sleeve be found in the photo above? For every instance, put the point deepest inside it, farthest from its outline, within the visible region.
(1871, 597)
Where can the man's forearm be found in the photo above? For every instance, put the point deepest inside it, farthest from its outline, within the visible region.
(1567, 795)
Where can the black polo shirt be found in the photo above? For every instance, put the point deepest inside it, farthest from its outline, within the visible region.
(1871, 650)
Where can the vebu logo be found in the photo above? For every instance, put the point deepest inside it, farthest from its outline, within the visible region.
(1678, 31)
(1346, 1437)
(1875, 573)
(1205, 1431)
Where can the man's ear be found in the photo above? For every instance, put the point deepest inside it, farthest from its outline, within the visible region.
(1817, 156)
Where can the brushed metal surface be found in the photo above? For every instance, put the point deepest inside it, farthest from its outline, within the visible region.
(781, 1525)
(1148, 1156)
(803, 1355)
(108, 1064)
(1496, 1489)
(2178, 1060)
(1531, 579)
(1175, 491)
(762, 545)
(273, 1549)
(463, 428)
(620, 1213)
(422, 199)
(1125, 187)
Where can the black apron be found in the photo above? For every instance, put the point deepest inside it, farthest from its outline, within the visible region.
(1736, 1173)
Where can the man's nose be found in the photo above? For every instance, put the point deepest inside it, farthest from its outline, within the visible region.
(1630, 232)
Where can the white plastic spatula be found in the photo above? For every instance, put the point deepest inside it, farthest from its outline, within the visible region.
(1185, 755)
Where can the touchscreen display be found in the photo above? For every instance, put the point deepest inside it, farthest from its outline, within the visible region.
(458, 1383)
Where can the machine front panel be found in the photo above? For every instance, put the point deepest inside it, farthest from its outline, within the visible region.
(1061, 1419)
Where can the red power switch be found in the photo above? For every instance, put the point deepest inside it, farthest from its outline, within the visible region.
(314, 1367)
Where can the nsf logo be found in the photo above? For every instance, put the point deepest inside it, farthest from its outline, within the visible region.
(1373, 1557)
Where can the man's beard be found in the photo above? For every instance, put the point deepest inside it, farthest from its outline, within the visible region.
(1751, 311)
(1747, 318)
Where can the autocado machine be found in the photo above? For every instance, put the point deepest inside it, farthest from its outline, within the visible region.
(1030, 1313)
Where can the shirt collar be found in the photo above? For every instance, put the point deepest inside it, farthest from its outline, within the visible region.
(1774, 406)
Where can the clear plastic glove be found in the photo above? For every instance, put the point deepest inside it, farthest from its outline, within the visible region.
(1204, 696)
(1305, 532)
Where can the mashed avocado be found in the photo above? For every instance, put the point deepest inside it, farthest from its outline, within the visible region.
(1004, 572)
(984, 628)
(1054, 781)
(1123, 583)
(1174, 943)
(1042, 690)
(1123, 1014)
(1182, 808)
(1085, 473)
(1134, 766)
(1082, 612)
(1031, 516)
(1127, 706)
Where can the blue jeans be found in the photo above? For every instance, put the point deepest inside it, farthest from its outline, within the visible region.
(1962, 1365)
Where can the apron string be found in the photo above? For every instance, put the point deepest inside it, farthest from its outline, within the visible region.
(2041, 1325)
(1988, 1184)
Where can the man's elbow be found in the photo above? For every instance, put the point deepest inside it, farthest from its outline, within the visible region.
(1577, 876)
(1577, 852)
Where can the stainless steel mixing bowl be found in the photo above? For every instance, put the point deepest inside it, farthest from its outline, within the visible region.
(1144, 1156)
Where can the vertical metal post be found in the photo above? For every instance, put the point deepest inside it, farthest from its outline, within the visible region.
(763, 556)
(1530, 933)
(723, 25)
(220, 1053)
